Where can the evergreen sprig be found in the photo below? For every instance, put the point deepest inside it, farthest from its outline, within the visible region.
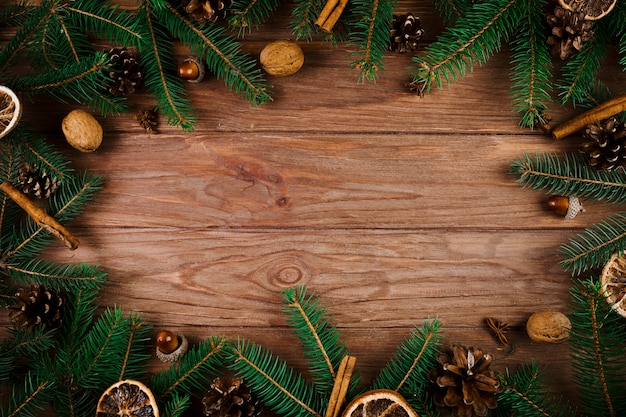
(407, 372)
(594, 246)
(277, 385)
(479, 28)
(319, 338)
(475, 37)
(568, 175)
(524, 394)
(597, 340)
(531, 76)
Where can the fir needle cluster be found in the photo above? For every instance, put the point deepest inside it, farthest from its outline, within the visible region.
(477, 31)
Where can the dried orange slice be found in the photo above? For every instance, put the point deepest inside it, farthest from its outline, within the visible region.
(379, 403)
(613, 282)
(127, 398)
(593, 9)
(10, 110)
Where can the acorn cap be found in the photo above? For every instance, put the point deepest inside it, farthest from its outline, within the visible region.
(575, 207)
(177, 353)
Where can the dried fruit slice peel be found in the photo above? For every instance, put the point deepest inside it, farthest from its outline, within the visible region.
(10, 110)
(593, 9)
(128, 398)
(613, 282)
(379, 403)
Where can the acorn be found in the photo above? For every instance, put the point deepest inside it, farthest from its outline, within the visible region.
(170, 347)
(565, 206)
(191, 69)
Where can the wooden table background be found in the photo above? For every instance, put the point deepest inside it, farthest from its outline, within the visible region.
(392, 208)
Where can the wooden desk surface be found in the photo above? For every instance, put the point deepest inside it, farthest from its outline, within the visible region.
(392, 208)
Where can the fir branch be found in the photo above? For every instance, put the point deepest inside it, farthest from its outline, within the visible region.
(569, 175)
(581, 70)
(407, 372)
(28, 399)
(319, 338)
(244, 15)
(280, 388)
(159, 69)
(371, 35)
(15, 14)
(135, 356)
(414, 358)
(35, 151)
(451, 10)
(303, 16)
(176, 406)
(222, 55)
(82, 82)
(95, 16)
(597, 340)
(23, 343)
(473, 39)
(193, 370)
(105, 349)
(531, 77)
(594, 246)
(38, 17)
(54, 276)
(525, 395)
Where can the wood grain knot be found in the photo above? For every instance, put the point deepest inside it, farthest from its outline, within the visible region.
(287, 272)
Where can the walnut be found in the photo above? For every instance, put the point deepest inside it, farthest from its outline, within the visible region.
(82, 131)
(548, 326)
(282, 58)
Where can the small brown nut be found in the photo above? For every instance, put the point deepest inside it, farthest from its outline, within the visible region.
(548, 326)
(282, 58)
(82, 131)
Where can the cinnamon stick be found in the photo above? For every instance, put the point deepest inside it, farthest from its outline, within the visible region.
(340, 388)
(603, 111)
(330, 14)
(43, 219)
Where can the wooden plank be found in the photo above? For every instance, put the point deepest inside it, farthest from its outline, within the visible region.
(320, 181)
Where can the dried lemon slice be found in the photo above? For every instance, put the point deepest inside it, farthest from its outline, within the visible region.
(613, 282)
(127, 398)
(593, 9)
(379, 403)
(10, 110)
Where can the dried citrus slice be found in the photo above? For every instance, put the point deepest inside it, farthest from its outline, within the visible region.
(613, 282)
(127, 398)
(593, 9)
(379, 403)
(10, 110)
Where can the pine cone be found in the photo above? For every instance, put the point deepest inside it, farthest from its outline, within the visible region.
(125, 70)
(229, 397)
(207, 10)
(605, 144)
(147, 119)
(406, 32)
(37, 184)
(463, 383)
(570, 31)
(37, 305)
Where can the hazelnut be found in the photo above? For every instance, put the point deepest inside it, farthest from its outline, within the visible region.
(548, 326)
(170, 347)
(191, 69)
(82, 131)
(282, 58)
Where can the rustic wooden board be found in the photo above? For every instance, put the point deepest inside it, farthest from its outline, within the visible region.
(393, 208)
